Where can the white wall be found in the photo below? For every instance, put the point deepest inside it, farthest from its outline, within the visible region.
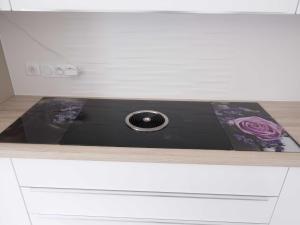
(186, 56)
(6, 89)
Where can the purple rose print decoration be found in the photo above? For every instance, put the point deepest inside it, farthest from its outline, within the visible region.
(261, 128)
(250, 127)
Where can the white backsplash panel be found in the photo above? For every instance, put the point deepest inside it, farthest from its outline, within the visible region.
(156, 55)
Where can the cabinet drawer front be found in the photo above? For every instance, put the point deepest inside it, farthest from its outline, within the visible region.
(155, 206)
(150, 177)
(79, 220)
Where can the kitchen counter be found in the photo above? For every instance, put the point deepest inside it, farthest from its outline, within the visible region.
(286, 113)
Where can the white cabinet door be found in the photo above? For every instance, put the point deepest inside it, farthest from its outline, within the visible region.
(4, 5)
(298, 10)
(151, 177)
(12, 208)
(287, 209)
(204, 6)
(160, 207)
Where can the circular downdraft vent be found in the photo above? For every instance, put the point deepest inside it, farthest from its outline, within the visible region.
(147, 120)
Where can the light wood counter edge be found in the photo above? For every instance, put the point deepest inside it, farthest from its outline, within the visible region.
(183, 156)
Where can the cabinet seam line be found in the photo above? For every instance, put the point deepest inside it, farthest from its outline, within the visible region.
(282, 186)
(149, 193)
(19, 186)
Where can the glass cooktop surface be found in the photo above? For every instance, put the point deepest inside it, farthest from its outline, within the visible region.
(151, 124)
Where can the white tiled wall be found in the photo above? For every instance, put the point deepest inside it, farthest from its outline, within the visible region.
(155, 55)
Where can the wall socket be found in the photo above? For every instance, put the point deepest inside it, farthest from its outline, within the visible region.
(51, 70)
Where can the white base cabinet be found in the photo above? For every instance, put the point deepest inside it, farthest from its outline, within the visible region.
(287, 210)
(69, 192)
(152, 193)
(12, 208)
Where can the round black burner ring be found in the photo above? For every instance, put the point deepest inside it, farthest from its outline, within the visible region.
(147, 120)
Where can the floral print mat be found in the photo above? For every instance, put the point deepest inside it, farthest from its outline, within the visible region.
(250, 127)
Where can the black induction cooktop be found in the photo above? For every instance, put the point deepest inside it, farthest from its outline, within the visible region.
(150, 124)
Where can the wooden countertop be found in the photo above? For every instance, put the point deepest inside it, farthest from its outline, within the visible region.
(286, 113)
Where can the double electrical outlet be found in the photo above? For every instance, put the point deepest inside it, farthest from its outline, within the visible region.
(50, 70)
